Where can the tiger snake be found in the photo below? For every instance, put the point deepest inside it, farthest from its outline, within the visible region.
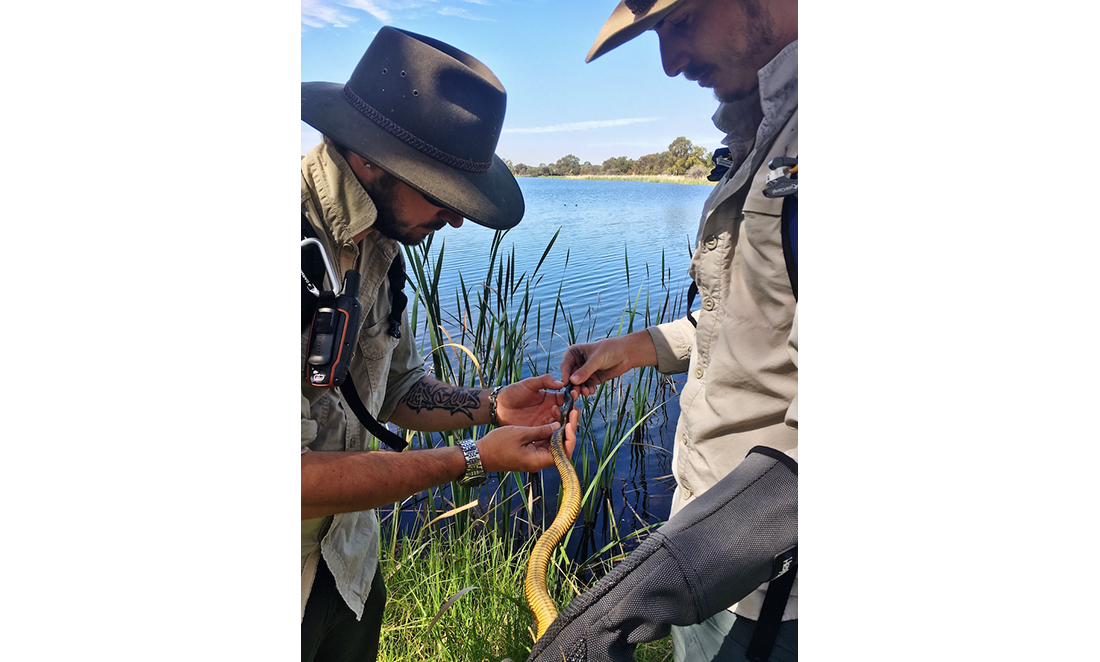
(534, 586)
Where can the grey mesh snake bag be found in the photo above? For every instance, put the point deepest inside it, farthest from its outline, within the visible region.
(737, 535)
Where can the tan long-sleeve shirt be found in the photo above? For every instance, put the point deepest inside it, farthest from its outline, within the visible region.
(742, 376)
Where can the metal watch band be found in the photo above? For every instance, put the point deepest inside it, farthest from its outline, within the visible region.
(475, 472)
(493, 406)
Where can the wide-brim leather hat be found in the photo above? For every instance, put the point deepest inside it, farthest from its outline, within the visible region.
(430, 115)
(630, 19)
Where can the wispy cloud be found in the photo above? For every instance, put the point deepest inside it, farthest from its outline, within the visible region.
(461, 12)
(321, 13)
(583, 126)
(379, 10)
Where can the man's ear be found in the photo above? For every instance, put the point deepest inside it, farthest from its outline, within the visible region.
(361, 167)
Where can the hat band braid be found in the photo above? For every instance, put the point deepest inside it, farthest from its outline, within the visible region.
(421, 145)
(639, 6)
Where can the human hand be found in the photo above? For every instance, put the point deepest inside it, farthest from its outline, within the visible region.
(515, 448)
(533, 401)
(586, 366)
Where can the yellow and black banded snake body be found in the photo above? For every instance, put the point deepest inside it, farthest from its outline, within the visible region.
(534, 586)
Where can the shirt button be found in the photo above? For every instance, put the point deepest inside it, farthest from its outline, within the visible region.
(698, 373)
(708, 303)
(711, 242)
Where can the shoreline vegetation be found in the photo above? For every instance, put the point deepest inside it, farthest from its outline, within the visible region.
(651, 179)
(454, 557)
(681, 163)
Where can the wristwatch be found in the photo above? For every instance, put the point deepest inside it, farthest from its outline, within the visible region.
(475, 473)
(493, 405)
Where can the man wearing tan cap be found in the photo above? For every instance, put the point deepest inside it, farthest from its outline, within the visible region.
(740, 349)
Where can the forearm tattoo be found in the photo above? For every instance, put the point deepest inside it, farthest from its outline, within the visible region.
(425, 396)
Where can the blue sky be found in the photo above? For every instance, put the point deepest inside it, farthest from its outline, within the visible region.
(622, 104)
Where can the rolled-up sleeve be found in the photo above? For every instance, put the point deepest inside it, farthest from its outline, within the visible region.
(673, 342)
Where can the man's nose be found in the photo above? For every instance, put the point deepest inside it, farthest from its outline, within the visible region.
(673, 58)
(451, 218)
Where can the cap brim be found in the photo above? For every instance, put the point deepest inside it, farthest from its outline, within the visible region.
(623, 26)
(491, 198)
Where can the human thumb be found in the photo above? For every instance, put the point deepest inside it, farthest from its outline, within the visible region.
(582, 373)
(547, 381)
(543, 431)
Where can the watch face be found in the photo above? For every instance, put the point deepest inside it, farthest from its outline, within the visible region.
(475, 473)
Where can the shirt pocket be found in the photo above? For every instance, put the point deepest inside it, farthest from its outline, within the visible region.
(375, 341)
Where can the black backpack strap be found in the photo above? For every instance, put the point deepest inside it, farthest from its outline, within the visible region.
(771, 617)
(313, 273)
(398, 298)
(693, 290)
(722, 164)
(789, 230)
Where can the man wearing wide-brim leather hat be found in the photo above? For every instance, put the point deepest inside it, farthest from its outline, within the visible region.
(730, 591)
(408, 148)
(430, 115)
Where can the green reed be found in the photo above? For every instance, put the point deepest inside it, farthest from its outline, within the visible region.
(493, 334)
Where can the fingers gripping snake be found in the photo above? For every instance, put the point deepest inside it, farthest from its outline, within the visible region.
(534, 586)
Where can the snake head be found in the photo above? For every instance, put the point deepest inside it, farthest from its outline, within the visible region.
(567, 406)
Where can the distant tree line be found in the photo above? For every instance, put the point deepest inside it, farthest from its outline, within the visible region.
(681, 158)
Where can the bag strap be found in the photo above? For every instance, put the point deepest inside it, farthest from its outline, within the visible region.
(398, 299)
(351, 396)
(771, 617)
(313, 270)
(789, 231)
(693, 290)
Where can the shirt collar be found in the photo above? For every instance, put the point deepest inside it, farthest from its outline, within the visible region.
(775, 101)
(343, 202)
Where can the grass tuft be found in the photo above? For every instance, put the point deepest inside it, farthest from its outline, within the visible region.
(490, 623)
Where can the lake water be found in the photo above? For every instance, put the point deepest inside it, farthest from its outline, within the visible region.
(604, 227)
(598, 221)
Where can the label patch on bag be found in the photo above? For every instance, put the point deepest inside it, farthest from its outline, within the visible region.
(784, 562)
